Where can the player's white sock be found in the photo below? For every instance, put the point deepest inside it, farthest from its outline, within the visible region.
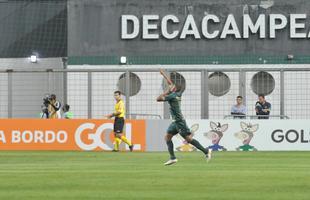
(209, 156)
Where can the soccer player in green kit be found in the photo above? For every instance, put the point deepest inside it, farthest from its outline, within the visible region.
(173, 97)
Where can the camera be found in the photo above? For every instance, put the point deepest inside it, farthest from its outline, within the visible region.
(46, 100)
(50, 107)
(44, 106)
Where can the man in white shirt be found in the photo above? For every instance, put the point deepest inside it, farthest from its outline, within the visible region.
(239, 109)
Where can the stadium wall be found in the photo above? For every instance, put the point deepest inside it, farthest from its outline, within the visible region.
(95, 29)
(29, 27)
(95, 40)
(92, 31)
(22, 93)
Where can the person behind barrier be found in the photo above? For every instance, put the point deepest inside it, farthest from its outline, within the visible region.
(238, 109)
(66, 112)
(262, 107)
(54, 107)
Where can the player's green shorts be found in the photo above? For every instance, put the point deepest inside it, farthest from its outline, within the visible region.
(179, 127)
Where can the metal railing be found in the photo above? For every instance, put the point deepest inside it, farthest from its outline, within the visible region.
(144, 116)
(255, 116)
(209, 91)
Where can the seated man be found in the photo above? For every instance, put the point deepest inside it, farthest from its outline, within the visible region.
(239, 109)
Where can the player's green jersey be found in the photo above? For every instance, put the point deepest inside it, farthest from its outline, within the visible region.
(174, 100)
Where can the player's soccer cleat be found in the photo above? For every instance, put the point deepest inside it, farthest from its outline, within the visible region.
(115, 150)
(171, 161)
(131, 147)
(209, 155)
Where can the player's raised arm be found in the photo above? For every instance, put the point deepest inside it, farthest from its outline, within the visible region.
(170, 88)
(160, 98)
(170, 83)
(162, 72)
(163, 95)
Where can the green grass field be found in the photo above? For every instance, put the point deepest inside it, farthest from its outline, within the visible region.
(105, 175)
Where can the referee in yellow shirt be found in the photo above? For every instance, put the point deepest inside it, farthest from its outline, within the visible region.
(119, 122)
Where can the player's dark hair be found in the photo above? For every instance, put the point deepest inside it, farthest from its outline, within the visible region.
(53, 96)
(66, 108)
(118, 92)
(239, 97)
(261, 95)
(178, 87)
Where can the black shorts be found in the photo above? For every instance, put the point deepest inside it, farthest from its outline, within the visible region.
(179, 127)
(119, 124)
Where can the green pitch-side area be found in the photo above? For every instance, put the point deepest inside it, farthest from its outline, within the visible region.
(105, 175)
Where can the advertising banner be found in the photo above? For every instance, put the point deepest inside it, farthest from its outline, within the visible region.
(148, 135)
(88, 135)
(248, 135)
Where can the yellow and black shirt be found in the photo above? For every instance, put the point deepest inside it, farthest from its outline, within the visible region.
(120, 107)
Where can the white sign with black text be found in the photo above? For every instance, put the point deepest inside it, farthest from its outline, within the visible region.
(249, 135)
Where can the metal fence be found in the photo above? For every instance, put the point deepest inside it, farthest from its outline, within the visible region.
(209, 91)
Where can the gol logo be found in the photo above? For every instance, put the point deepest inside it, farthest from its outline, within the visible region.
(96, 136)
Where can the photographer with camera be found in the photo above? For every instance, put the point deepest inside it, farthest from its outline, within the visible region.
(51, 107)
(54, 107)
